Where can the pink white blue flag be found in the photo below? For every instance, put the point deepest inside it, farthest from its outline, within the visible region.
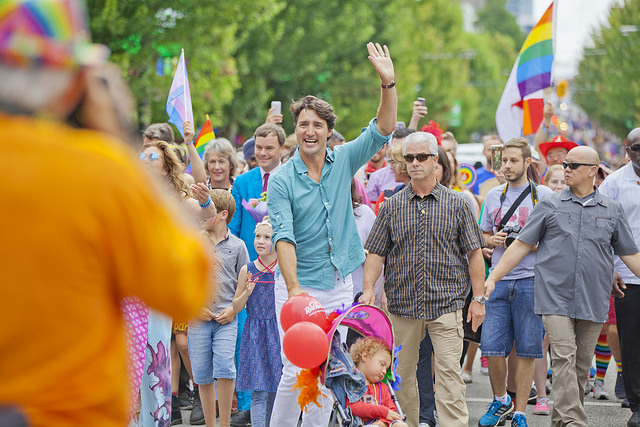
(179, 102)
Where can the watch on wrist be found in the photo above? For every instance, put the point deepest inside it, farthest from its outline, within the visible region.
(480, 299)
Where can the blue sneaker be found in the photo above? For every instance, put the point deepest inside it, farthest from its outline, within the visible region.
(519, 420)
(496, 414)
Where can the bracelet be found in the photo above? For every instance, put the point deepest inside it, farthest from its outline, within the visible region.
(389, 86)
(206, 204)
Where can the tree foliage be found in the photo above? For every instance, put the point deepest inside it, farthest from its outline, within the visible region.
(607, 86)
(242, 54)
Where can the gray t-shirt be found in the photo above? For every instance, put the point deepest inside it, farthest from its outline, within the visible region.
(232, 255)
(492, 216)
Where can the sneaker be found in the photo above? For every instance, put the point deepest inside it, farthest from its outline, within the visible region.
(467, 378)
(176, 415)
(241, 419)
(599, 392)
(542, 406)
(496, 413)
(619, 390)
(484, 367)
(197, 414)
(533, 396)
(519, 420)
(185, 400)
(512, 395)
(588, 388)
(625, 403)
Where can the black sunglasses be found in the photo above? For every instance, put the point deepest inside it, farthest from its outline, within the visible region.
(575, 165)
(420, 156)
(635, 148)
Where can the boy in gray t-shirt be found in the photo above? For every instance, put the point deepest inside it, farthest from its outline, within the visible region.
(212, 337)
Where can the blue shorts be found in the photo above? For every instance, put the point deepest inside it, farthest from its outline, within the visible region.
(211, 350)
(509, 316)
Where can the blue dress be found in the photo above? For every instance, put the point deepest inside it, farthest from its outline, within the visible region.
(260, 364)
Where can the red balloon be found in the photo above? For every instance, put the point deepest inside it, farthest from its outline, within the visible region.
(306, 345)
(303, 308)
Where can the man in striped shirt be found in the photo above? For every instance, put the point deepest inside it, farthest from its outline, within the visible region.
(432, 246)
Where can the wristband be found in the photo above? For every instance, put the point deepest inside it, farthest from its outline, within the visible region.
(389, 86)
(206, 204)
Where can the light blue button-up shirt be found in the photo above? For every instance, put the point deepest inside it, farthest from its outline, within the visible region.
(318, 217)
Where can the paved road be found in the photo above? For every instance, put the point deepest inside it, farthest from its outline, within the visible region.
(602, 413)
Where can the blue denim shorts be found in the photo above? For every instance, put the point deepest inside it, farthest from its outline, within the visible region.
(211, 350)
(509, 316)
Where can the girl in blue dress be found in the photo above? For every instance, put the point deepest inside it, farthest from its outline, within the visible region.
(260, 365)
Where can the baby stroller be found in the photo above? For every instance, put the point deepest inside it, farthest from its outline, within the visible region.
(337, 372)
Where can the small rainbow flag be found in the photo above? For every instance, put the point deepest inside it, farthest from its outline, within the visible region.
(519, 112)
(205, 135)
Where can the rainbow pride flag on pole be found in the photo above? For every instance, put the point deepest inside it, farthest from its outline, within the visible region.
(520, 109)
(179, 101)
(205, 135)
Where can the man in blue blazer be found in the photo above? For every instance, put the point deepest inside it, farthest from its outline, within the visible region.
(269, 143)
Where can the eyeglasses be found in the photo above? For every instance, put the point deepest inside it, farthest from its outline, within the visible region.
(635, 148)
(420, 156)
(152, 157)
(557, 154)
(575, 165)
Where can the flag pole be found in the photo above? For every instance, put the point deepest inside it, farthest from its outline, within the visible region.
(184, 93)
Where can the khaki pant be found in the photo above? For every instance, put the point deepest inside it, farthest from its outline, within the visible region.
(446, 335)
(573, 342)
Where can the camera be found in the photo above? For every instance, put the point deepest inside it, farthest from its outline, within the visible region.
(512, 233)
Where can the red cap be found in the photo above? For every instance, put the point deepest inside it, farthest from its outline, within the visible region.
(558, 141)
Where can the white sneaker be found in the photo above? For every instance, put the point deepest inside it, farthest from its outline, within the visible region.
(467, 378)
(599, 392)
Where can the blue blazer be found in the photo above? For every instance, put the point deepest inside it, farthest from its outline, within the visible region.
(246, 186)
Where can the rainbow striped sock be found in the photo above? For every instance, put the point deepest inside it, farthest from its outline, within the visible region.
(619, 365)
(603, 354)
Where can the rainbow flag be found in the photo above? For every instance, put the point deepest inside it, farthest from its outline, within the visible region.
(205, 135)
(179, 101)
(519, 112)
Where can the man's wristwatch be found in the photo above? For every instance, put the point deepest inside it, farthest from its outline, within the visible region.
(480, 299)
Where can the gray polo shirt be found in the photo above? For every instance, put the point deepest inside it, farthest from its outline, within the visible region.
(574, 264)
(232, 255)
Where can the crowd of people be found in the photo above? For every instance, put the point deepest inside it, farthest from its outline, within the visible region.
(169, 263)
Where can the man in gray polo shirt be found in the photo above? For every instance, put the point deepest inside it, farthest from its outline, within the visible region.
(575, 230)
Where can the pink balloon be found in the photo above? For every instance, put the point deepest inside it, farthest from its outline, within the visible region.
(306, 345)
(303, 308)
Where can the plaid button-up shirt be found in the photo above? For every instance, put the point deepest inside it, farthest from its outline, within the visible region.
(425, 240)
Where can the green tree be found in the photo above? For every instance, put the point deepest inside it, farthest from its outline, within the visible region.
(494, 18)
(607, 86)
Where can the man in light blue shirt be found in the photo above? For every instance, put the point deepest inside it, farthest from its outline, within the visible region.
(314, 231)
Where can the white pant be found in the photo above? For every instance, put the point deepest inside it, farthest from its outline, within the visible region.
(286, 410)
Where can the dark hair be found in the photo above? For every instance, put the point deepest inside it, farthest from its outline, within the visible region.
(336, 137)
(322, 108)
(160, 131)
(402, 132)
(269, 128)
(443, 160)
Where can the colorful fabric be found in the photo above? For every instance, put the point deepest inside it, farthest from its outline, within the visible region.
(205, 135)
(179, 101)
(260, 363)
(47, 33)
(136, 328)
(603, 355)
(374, 405)
(520, 109)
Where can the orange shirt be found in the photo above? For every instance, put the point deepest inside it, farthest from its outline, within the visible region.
(82, 227)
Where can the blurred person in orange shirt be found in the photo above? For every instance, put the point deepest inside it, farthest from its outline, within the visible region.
(84, 225)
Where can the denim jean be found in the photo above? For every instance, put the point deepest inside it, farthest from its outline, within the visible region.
(510, 316)
(425, 382)
(261, 407)
(211, 349)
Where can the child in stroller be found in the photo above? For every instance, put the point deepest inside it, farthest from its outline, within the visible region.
(373, 358)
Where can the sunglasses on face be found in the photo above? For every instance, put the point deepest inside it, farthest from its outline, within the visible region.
(635, 148)
(420, 156)
(575, 165)
(152, 157)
